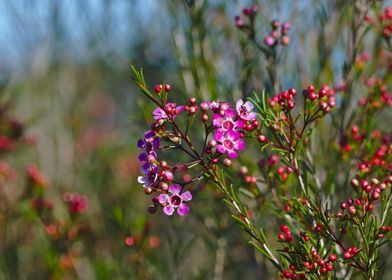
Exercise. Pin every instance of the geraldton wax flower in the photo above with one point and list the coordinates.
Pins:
(175, 201)
(227, 127)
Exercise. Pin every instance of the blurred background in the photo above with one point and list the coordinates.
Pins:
(69, 101)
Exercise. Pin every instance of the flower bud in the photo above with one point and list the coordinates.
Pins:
(167, 87)
(204, 117)
(227, 162)
(148, 190)
(212, 143)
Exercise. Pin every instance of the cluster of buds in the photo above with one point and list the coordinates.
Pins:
(350, 253)
(379, 157)
(309, 263)
(382, 231)
(285, 99)
(249, 179)
(386, 22)
(159, 88)
(77, 203)
(284, 172)
(348, 140)
(304, 236)
(369, 192)
(353, 142)
(379, 95)
(315, 263)
(278, 35)
(325, 97)
(285, 235)
(249, 13)
(143, 239)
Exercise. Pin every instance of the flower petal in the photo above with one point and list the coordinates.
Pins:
(163, 198)
(168, 210)
(186, 196)
(140, 143)
(183, 210)
(142, 157)
(142, 179)
(148, 134)
(240, 123)
(218, 135)
(221, 149)
(238, 105)
(155, 142)
(249, 105)
(252, 116)
(232, 154)
(159, 114)
(230, 113)
(234, 135)
(175, 189)
(240, 145)
(180, 108)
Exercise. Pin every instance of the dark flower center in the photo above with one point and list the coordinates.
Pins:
(243, 110)
(175, 200)
(229, 145)
(228, 125)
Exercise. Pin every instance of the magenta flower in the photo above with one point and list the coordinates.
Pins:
(148, 145)
(244, 110)
(230, 141)
(175, 201)
(227, 121)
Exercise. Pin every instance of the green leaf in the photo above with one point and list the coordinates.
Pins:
(246, 192)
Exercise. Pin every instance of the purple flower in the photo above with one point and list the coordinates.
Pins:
(227, 121)
(150, 175)
(230, 141)
(175, 201)
(148, 145)
(170, 109)
(159, 113)
(244, 110)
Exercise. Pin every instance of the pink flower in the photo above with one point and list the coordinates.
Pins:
(230, 141)
(175, 201)
(244, 110)
(170, 110)
(227, 122)
(216, 106)
(77, 203)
